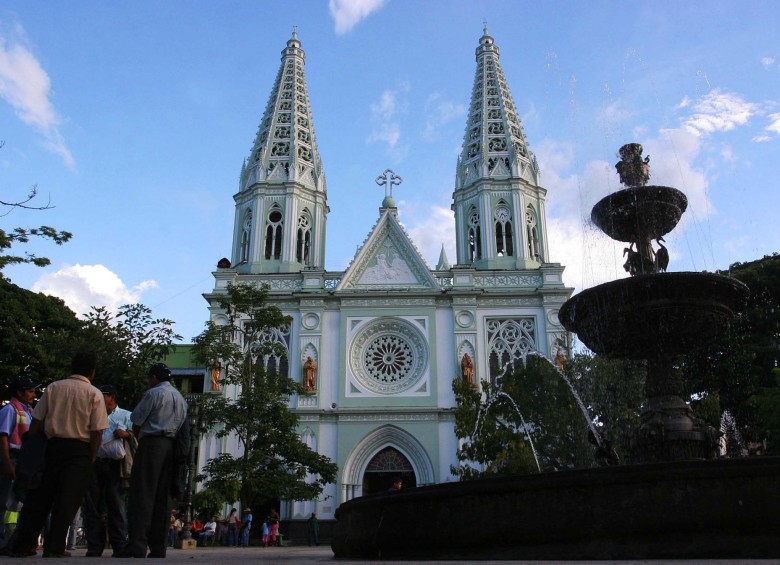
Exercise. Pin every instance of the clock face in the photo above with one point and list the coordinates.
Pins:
(389, 356)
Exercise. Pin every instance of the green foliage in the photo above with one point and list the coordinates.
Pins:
(613, 391)
(275, 463)
(530, 399)
(127, 343)
(207, 503)
(38, 335)
(23, 235)
(738, 368)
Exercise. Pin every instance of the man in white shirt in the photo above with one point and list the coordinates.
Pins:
(106, 482)
(208, 531)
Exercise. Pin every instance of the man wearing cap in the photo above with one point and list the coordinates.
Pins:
(73, 415)
(15, 419)
(156, 420)
(106, 482)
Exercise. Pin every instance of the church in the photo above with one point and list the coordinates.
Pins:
(378, 345)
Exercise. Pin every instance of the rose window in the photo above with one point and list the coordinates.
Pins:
(388, 356)
(389, 359)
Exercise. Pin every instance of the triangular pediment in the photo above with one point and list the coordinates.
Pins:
(387, 260)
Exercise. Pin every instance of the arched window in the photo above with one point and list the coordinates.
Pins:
(503, 221)
(532, 234)
(475, 237)
(273, 234)
(303, 243)
(246, 237)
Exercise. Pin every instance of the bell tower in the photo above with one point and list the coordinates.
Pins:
(281, 205)
(498, 201)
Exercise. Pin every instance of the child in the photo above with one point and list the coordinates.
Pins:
(265, 532)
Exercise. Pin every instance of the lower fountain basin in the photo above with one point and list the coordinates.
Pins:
(682, 510)
(652, 316)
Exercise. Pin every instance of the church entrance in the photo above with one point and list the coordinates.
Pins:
(384, 467)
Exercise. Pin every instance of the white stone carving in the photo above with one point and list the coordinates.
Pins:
(392, 270)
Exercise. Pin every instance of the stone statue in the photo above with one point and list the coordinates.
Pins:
(216, 372)
(467, 369)
(310, 374)
(632, 169)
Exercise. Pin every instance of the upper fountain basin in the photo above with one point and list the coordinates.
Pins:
(639, 213)
(650, 316)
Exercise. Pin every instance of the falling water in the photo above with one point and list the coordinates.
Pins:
(728, 427)
(486, 407)
(574, 393)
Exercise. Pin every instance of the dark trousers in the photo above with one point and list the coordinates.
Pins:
(149, 504)
(105, 485)
(6, 490)
(65, 478)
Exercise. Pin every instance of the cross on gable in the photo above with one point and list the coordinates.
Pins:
(389, 179)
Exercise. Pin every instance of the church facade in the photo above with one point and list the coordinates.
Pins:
(378, 345)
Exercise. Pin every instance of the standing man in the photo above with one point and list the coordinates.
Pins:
(314, 530)
(246, 527)
(15, 419)
(106, 481)
(156, 421)
(73, 415)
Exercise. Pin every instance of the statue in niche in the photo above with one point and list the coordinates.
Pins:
(310, 374)
(216, 372)
(467, 369)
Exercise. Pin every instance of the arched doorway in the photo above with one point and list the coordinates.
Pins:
(384, 467)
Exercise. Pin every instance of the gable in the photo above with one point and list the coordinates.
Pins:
(387, 260)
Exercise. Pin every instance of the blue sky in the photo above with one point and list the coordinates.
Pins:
(133, 118)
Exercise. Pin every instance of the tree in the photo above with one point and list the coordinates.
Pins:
(528, 419)
(127, 343)
(38, 334)
(738, 369)
(23, 235)
(275, 463)
(613, 391)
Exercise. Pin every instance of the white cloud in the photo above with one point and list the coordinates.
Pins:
(84, 286)
(440, 113)
(719, 111)
(348, 13)
(768, 62)
(436, 229)
(26, 86)
(385, 124)
(774, 123)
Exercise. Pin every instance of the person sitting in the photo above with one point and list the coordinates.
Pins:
(209, 529)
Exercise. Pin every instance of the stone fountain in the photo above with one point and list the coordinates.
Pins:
(653, 315)
(675, 501)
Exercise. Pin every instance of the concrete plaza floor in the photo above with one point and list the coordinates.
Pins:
(323, 554)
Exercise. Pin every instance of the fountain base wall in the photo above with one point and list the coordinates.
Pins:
(685, 509)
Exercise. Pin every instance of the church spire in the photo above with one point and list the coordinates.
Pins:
(281, 206)
(494, 145)
(285, 147)
(498, 202)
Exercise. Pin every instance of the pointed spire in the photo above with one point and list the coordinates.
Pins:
(495, 145)
(285, 147)
(443, 264)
